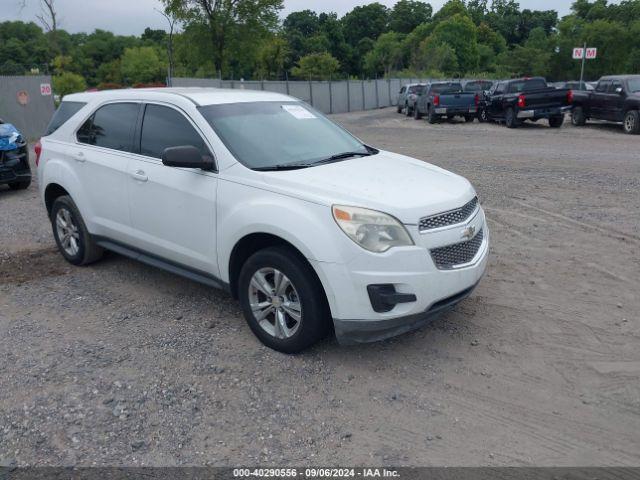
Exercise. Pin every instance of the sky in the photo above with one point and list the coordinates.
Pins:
(131, 17)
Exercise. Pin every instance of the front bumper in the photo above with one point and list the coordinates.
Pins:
(412, 272)
(14, 166)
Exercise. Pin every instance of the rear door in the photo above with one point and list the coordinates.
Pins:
(173, 210)
(101, 154)
(495, 100)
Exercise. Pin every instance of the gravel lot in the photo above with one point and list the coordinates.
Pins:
(122, 364)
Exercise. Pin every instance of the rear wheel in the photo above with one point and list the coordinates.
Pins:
(71, 235)
(556, 122)
(469, 118)
(399, 108)
(23, 185)
(283, 300)
(511, 119)
(577, 117)
(632, 122)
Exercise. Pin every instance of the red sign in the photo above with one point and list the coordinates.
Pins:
(588, 53)
(592, 53)
(45, 89)
(578, 53)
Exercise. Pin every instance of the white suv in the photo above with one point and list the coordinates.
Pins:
(261, 195)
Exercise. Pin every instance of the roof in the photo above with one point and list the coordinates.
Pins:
(199, 96)
(619, 77)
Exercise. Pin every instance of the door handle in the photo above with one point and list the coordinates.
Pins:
(140, 176)
(79, 157)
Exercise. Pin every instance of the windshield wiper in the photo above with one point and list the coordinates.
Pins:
(284, 166)
(341, 156)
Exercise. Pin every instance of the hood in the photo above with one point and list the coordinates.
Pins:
(395, 184)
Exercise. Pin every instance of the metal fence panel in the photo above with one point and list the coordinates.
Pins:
(26, 102)
(196, 82)
(339, 96)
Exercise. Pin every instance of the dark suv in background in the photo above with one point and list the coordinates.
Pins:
(14, 159)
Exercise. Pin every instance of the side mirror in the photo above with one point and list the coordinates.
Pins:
(186, 156)
(619, 90)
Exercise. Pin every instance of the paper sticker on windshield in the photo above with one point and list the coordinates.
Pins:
(298, 111)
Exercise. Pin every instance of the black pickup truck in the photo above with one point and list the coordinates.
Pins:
(615, 99)
(512, 101)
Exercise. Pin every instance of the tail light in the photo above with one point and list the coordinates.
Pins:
(436, 100)
(522, 102)
(38, 149)
(477, 99)
(570, 97)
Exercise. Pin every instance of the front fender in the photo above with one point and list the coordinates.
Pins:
(309, 227)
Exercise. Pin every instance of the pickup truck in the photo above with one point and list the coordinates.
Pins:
(446, 99)
(512, 101)
(407, 97)
(615, 99)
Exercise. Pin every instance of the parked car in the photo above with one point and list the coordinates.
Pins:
(14, 158)
(512, 101)
(615, 99)
(261, 195)
(446, 100)
(407, 98)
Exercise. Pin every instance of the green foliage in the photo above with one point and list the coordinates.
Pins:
(458, 33)
(142, 65)
(406, 15)
(316, 66)
(67, 82)
(272, 58)
(386, 55)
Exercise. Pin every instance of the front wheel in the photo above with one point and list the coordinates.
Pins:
(283, 301)
(632, 122)
(511, 119)
(577, 117)
(556, 122)
(483, 116)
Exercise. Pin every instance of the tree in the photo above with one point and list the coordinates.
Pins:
(67, 82)
(406, 15)
(367, 21)
(317, 66)
(272, 58)
(459, 33)
(386, 55)
(228, 22)
(141, 65)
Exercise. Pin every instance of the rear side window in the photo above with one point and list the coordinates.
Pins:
(111, 126)
(164, 127)
(65, 111)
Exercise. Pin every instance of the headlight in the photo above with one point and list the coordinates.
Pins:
(372, 230)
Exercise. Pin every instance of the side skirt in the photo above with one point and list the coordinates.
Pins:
(155, 261)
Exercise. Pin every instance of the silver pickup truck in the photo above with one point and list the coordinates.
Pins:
(407, 98)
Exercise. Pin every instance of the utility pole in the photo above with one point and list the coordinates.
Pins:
(584, 57)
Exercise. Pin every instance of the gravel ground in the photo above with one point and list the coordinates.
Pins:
(122, 364)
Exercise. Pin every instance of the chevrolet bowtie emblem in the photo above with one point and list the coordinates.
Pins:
(469, 232)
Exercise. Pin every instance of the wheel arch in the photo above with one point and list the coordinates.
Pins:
(51, 192)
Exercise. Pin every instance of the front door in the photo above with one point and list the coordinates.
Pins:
(173, 210)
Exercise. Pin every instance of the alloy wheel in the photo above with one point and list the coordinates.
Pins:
(629, 123)
(275, 303)
(68, 233)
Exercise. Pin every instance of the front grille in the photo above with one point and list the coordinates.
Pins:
(452, 217)
(457, 254)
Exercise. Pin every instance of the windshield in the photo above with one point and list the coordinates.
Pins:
(269, 134)
(446, 88)
(634, 84)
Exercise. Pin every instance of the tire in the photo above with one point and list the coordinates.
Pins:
(469, 118)
(416, 113)
(23, 185)
(399, 108)
(483, 115)
(408, 111)
(556, 122)
(577, 117)
(64, 211)
(631, 123)
(432, 117)
(313, 321)
(510, 119)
